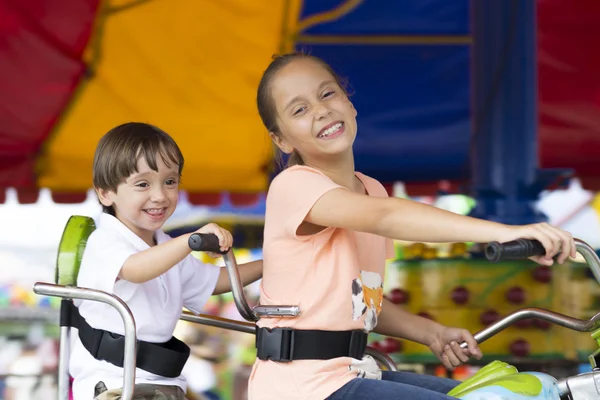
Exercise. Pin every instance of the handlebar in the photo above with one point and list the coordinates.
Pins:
(205, 242)
(210, 242)
(518, 249)
(514, 250)
(525, 248)
(575, 324)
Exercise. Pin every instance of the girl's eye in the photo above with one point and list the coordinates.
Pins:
(171, 182)
(327, 94)
(299, 110)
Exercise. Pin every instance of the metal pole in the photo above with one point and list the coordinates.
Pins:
(67, 292)
(506, 181)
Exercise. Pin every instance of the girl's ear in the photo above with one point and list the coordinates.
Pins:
(354, 109)
(281, 143)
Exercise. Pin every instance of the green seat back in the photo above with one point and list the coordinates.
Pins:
(71, 247)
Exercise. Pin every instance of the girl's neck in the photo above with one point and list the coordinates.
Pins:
(341, 171)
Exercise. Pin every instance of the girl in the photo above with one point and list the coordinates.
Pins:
(328, 232)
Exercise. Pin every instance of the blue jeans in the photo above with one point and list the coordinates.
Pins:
(397, 386)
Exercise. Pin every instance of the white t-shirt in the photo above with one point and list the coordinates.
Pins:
(156, 305)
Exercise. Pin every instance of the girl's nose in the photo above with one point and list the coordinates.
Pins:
(322, 110)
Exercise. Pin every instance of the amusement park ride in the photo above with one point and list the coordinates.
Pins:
(497, 380)
(521, 314)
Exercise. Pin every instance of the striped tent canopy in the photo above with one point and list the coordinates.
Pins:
(71, 70)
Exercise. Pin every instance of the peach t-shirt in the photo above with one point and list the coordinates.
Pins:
(335, 276)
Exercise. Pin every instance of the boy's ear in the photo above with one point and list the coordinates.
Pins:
(279, 142)
(105, 197)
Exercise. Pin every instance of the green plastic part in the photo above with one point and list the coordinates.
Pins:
(71, 248)
(485, 376)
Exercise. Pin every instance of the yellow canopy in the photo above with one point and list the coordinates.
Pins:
(189, 67)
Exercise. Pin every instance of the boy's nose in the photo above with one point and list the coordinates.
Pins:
(158, 195)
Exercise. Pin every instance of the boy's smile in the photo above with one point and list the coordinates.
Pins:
(156, 213)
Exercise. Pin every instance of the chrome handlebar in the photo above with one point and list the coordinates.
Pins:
(241, 303)
(575, 324)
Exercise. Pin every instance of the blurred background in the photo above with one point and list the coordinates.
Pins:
(482, 107)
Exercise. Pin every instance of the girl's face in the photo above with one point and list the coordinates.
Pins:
(314, 115)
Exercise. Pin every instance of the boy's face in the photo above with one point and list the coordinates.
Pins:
(146, 199)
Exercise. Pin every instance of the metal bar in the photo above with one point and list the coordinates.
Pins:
(539, 313)
(218, 322)
(237, 289)
(590, 256)
(63, 363)
(593, 261)
(563, 388)
(67, 292)
(276, 311)
(241, 303)
(382, 358)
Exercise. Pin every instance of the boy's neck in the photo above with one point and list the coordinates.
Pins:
(150, 240)
(147, 237)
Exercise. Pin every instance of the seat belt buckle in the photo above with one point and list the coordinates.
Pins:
(275, 344)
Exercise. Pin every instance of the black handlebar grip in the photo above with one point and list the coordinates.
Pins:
(514, 250)
(205, 242)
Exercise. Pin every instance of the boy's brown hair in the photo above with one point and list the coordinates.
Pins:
(119, 150)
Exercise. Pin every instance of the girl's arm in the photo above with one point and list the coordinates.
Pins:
(396, 322)
(444, 342)
(404, 219)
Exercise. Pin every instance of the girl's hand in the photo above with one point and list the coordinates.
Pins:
(552, 238)
(445, 345)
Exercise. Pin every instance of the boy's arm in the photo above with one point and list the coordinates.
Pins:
(249, 272)
(155, 261)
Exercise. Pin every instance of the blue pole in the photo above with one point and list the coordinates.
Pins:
(506, 181)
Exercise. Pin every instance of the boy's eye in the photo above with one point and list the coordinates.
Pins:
(171, 182)
(142, 184)
(329, 93)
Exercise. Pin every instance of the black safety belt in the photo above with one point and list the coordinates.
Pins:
(286, 344)
(164, 359)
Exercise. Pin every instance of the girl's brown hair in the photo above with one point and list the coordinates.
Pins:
(266, 105)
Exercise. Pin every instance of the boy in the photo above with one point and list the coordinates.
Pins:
(136, 174)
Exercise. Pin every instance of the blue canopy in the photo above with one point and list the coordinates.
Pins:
(407, 63)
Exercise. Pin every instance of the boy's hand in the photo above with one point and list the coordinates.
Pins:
(225, 238)
(445, 345)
